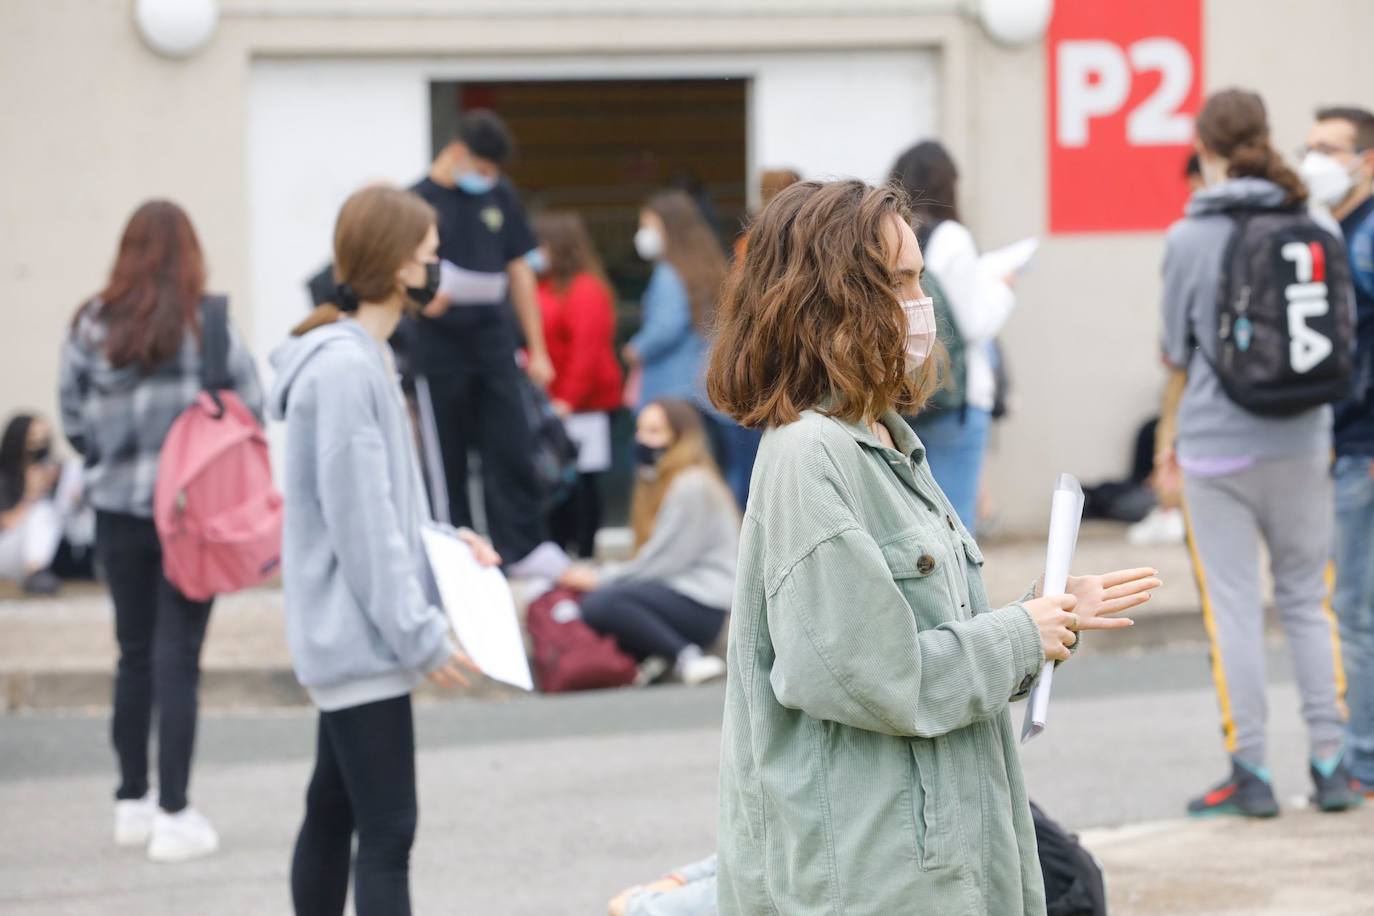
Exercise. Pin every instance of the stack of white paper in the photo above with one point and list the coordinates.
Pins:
(1066, 514)
(479, 604)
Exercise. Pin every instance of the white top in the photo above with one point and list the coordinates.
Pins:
(981, 304)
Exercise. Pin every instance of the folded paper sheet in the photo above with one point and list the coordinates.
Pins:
(1066, 514)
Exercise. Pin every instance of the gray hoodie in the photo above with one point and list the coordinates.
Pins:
(358, 621)
(1210, 424)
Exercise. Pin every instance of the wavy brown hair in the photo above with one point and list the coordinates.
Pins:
(570, 247)
(813, 318)
(690, 449)
(1233, 124)
(692, 250)
(377, 231)
(152, 298)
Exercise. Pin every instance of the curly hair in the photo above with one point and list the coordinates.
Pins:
(812, 317)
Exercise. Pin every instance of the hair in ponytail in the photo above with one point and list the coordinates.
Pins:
(1234, 125)
(377, 231)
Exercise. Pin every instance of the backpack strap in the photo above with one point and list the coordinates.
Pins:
(214, 348)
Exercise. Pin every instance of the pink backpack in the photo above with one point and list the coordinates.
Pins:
(217, 513)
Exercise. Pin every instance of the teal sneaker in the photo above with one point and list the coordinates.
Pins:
(1247, 793)
(1336, 789)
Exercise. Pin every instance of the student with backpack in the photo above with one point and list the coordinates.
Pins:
(1258, 329)
(131, 366)
(971, 309)
(670, 601)
(361, 630)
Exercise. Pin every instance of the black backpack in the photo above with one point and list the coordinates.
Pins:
(1285, 331)
(1073, 879)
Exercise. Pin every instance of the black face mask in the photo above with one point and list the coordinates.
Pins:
(647, 457)
(422, 295)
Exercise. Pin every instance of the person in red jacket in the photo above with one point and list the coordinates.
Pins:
(579, 327)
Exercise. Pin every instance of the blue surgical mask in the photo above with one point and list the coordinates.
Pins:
(537, 260)
(473, 182)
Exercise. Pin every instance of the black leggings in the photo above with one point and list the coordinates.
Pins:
(160, 633)
(364, 781)
(649, 619)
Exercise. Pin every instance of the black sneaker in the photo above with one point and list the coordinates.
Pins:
(1337, 790)
(1246, 794)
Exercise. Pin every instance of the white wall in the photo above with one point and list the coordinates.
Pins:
(320, 128)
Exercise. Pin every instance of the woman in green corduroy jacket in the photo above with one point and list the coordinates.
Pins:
(868, 762)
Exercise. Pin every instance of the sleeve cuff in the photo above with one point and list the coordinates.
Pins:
(441, 655)
(1027, 653)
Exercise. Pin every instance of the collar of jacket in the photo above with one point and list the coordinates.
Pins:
(902, 436)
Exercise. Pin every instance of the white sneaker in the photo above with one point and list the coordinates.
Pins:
(133, 820)
(181, 836)
(1161, 528)
(701, 669)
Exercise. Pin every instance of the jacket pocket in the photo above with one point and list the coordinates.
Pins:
(923, 574)
(973, 575)
(932, 840)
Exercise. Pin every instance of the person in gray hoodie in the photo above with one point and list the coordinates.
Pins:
(361, 630)
(1248, 477)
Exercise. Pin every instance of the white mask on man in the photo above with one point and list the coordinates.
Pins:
(649, 243)
(920, 330)
(1327, 180)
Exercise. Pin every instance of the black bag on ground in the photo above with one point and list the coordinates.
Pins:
(1285, 315)
(1073, 880)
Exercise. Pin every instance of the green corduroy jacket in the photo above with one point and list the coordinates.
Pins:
(869, 765)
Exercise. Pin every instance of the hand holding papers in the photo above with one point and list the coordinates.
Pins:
(480, 606)
(1066, 514)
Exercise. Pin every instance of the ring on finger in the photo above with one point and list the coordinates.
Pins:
(1073, 623)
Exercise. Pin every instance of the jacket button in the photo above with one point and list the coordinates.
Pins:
(925, 565)
(950, 519)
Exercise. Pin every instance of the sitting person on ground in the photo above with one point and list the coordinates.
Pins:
(34, 508)
(670, 601)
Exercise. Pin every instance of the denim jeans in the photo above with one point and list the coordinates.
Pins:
(1354, 602)
(954, 445)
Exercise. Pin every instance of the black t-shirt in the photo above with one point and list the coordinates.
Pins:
(481, 232)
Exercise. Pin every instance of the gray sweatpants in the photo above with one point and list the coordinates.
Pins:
(1288, 502)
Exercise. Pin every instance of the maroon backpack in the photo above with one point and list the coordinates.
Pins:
(568, 654)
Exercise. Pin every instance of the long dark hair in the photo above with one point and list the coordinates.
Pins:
(154, 291)
(1233, 124)
(570, 247)
(928, 175)
(693, 250)
(690, 448)
(14, 459)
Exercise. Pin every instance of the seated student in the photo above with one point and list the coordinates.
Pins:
(38, 498)
(671, 599)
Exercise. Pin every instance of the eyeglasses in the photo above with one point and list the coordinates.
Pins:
(1327, 149)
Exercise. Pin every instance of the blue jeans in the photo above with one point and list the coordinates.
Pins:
(1354, 603)
(736, 448)
(954, 448)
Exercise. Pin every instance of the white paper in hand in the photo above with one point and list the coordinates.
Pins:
(1010, 259)
(1066, 514)
(480, 606)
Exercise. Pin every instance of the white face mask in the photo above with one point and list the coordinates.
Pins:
(920, 330)
(649, 243)
(1328, 181)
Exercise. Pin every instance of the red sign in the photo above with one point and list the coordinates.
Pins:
(1125, 84)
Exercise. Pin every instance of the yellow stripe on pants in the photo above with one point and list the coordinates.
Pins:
(1228, 724)
(1335, 639)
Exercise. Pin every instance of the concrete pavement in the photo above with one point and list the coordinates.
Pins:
(546, 806)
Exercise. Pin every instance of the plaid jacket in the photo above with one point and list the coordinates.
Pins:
(118, 418)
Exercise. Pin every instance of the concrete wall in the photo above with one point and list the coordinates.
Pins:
(95, 123)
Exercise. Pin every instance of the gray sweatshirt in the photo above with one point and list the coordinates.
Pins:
(358, 622)
(694, 548)
(1210, 424)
